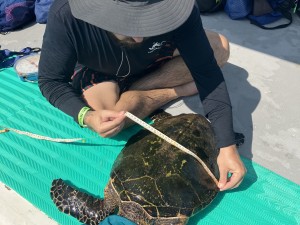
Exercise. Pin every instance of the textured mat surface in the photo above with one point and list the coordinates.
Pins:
(29, 166)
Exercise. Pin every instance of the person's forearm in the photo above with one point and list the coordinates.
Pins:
(62, 96)
(218, 110)
(197, 53)
(57, 62)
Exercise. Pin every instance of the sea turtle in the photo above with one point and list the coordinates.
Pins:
(151, 181)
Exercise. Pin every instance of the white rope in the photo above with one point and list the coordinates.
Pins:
(171, 141)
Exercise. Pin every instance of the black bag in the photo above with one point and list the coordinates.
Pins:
(210, 6)
(268, 11)
(297, 8)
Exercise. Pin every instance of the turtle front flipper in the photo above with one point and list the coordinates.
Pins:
(86, 208)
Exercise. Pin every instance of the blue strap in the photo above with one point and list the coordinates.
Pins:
(116, 220)
(8, 58)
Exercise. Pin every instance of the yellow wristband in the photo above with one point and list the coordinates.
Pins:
(81, 116)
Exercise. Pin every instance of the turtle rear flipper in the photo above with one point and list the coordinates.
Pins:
(86, 208)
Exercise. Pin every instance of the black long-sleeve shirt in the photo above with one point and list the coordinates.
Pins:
(68, 41)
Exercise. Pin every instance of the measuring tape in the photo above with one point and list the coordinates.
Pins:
(40, 137)
(170, 141)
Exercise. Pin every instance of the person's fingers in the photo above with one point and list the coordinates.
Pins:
(109, 127)
(229, 161)
(242, 175)
(223, 178)
(112, 132)
(106, 123)
(234, 181)
(107, 115)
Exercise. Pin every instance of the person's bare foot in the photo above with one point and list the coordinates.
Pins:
(187, 89)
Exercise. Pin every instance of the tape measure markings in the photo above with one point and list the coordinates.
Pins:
(171, 141)
(40, 137)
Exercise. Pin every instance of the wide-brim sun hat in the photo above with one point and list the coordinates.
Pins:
(133, 18)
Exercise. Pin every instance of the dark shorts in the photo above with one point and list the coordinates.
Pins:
(84, 77)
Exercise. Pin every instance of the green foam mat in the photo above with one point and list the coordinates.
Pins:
(28, 165)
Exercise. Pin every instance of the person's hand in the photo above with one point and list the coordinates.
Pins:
(105, 122)
(229, 161)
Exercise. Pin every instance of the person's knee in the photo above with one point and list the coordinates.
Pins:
(225, 50)
(220, 46)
